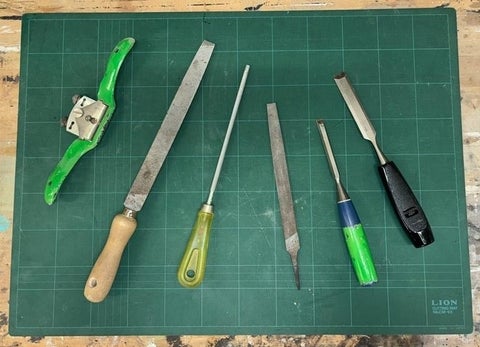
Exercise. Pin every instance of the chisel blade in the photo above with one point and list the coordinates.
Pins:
(287, 212)
(356, 109)
(358, 113)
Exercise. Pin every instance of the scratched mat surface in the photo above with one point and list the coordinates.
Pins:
(404, 65)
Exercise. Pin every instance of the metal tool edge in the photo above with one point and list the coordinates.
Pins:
(171, 124)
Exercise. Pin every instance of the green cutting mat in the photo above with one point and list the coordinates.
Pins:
(403, 64)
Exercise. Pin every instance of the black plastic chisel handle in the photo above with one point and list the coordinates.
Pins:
(406, 206)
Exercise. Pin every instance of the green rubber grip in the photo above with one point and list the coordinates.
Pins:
(192, 266)
(360, 254)
(79, 147)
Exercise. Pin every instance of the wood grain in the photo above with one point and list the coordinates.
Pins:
(468, 17)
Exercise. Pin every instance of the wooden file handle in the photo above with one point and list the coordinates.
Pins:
(105, 269)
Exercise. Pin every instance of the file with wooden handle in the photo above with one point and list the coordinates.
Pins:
(123, 226)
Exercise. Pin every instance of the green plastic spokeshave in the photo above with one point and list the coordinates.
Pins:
(88, 120)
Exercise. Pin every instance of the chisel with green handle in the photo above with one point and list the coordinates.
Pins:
(355, 238)
(88, 120)
(194, 261)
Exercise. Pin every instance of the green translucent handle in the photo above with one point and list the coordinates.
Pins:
(79, 147)
(192, 267)
(360, 255)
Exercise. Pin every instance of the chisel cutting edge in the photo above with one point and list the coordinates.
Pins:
(287, 213)
(406, 206)
(124, 224)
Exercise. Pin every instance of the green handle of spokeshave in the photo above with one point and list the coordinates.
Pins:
(79, 147)
(107, 85)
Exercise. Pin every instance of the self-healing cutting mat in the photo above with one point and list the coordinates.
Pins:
(404, 67)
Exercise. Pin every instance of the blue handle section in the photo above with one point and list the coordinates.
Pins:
(348, 214)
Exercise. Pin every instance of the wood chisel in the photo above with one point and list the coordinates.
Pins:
(355, 238)
(124, 224)
(88, 120)
(192, 266)
(287, 212)
(406, 206)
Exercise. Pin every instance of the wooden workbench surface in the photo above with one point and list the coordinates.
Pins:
(468, 16)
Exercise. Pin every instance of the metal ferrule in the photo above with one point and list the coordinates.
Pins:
(208, 208)
(342, 194)
(129, 213)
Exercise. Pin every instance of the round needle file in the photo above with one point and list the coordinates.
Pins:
(355, 237)
(192, 266)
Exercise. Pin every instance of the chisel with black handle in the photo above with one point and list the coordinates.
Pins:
(406, 205)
